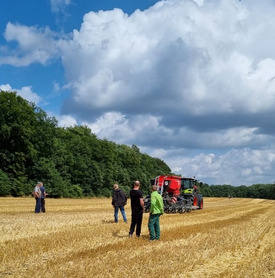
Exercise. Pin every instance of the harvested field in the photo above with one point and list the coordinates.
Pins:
(77, 238)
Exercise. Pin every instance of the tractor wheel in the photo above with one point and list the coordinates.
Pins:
(170, 209)
(200, 201)
(180, 210)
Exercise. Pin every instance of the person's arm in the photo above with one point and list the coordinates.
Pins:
(141, 202)
(36, 192)
(125, 198)
(153, 203)
(113, 198)
(161, 205)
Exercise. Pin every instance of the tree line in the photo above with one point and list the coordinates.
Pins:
(73, 162)
(262, 191)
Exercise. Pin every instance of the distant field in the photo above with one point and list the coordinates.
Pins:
(77, 238)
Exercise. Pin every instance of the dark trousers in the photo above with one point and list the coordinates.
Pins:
(153, 226)
(136, 221)
(37, 205)
(43, 209)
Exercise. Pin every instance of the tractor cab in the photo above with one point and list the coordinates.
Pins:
(188, 186)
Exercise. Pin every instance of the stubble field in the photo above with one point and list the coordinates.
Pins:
(77, 238)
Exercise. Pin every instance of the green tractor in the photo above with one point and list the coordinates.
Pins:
(190, 192)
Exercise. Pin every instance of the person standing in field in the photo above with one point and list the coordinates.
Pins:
(43, 196)
(137, 205)
(119, 200)
(37, 195)
(156, 210)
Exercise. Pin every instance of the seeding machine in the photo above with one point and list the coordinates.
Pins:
(179, 194)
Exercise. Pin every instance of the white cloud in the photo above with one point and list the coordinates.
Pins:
(180, 77)
(59, 5)
(148, 130)
(6, 87)
(235, 167)
(108, 124)
(116, 127)
(175, 52)
(33, 45)
(66, 120)
(25, 92)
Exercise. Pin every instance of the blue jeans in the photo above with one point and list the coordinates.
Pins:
(43, 205)
(37, 205)
(122, 212)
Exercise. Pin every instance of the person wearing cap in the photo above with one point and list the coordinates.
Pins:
(156, 209)
(37, 195)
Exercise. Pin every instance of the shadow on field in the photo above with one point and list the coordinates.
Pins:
(120, 235)
(107, 221)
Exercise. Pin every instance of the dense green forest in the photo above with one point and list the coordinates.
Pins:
(73, 162)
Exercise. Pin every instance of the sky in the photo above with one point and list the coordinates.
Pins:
(191, 82)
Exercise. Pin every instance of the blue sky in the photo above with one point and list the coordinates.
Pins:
(189, 81)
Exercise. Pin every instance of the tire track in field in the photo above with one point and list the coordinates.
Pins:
(178, 233)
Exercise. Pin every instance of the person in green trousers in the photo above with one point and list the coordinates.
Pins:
(156, 210)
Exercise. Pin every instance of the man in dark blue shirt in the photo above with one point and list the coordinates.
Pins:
(43, 196)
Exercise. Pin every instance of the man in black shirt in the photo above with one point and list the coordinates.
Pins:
(137, 206)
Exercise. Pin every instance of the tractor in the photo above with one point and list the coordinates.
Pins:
(179, 194)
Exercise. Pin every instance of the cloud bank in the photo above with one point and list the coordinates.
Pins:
(191, 82)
